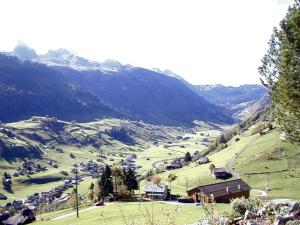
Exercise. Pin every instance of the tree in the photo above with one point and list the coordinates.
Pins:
(280, 72)
(91, 187)
(118, 177)
(171, 178)
(187, 157)
(105, 183)
(72, 199)
(211, 167)
(156, 179)
(131, 181)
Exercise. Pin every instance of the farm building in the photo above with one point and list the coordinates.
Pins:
(203, 160)
(156, 191)
(220, 192)
(219, 173)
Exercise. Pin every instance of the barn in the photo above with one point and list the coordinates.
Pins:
(220, 192)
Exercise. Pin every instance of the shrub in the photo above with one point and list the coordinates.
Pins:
(240, 205)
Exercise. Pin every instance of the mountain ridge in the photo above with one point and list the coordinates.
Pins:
(116, 90)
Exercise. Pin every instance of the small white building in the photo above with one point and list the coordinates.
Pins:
(156, 191)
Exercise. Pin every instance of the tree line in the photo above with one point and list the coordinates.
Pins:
(114, 182)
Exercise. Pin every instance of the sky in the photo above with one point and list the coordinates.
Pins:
(203, 41)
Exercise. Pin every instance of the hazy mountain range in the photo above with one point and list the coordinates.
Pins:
(69, 87)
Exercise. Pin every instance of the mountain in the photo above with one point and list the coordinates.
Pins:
(247, 111)
(234, 99)
(28, 89)
(69, 87)
(22, 51)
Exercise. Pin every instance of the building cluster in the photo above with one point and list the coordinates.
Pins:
(129, 163)
(176, 164)
(54, 195)
(91, 168)
(28, 167)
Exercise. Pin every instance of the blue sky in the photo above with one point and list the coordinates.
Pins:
(205, 42)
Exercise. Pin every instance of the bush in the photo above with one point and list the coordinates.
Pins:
(240, 205)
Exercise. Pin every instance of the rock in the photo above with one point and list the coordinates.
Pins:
(284, 202)
(249, 215)
(251, 222)
(237, 219)
(223, 221)
(295, 210)
(281, 220)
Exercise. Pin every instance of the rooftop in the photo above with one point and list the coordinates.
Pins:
(223, 188)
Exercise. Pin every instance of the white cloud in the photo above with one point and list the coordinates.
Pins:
(203, 41)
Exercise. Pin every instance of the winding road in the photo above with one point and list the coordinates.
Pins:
(230, 162)
(234, 173)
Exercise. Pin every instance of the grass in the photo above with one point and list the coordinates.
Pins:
(143, 134)
(195, 175)
(126, 213)
(265, 157)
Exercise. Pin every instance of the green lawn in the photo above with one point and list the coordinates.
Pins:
(134, 213)
(266, 155)
(195, 175)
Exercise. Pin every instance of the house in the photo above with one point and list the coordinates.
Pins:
(203, 160)
(219, 173)
(156, 191)
(174, 165)
(2, 197)
(220, 192)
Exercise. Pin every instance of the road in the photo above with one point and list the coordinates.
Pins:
(230, 162)
(234, 173)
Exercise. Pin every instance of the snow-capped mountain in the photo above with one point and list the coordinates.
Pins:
(65, 58)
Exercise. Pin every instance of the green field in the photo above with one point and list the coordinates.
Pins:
(273, 160)
(149, 140)
(133, 213)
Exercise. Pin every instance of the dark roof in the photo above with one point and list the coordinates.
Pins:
(220, 189)
(219, 170)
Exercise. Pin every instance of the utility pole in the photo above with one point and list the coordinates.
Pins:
(76, 191)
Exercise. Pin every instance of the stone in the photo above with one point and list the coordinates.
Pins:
(249, 215)
(279, 220)
(251, 222)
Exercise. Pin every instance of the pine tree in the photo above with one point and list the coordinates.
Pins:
(187, 157)
(105, 183)
(131, 181)
(280, 72)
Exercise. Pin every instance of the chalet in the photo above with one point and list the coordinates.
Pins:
(203, 160)
(174, 165)
(220, 192)
(219, 173)
(2, 197)
(156, 191)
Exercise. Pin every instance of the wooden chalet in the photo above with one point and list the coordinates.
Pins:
(220, 192)
(219, 173)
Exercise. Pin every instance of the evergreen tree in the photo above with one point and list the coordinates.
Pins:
(131, 181)
(280, 72)
(187, 157)
(105, 183)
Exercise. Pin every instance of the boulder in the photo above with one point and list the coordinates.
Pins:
(249, 215)
(279, 220)
(251, 222)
